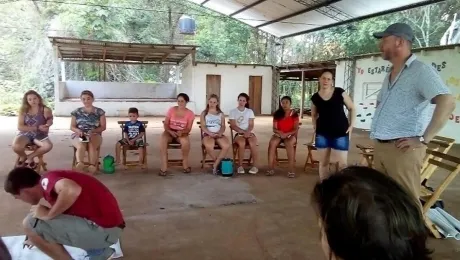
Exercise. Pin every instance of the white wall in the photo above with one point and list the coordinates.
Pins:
(107, 90)
(370, 73)
(233, 82)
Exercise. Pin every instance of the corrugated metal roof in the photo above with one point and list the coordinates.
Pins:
(71, 49)
(287, 18)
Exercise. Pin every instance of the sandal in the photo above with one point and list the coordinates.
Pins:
(270, 173)
(92, 169)
(188, 170)
(291, 175)
(32, 165)
(162, 173)
(80, 166)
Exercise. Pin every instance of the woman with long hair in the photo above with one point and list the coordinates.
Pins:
(34, 121)
(87, 124)
(177, 126)
(364, 214)
(213, 126)
(285, 127)
(242, 122)
(331, 125)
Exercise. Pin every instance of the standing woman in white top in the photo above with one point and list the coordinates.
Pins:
(213, 131)
(242, 122)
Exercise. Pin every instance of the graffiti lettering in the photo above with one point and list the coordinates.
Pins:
(360, 71)
(455, 118)
(439, 67)
(453, 82)
(378, 70)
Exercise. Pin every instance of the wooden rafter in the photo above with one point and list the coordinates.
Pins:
(247, 7)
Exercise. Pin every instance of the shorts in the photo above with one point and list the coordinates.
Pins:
(337, 143)
(40, 136)
(75, 231)
(137, 143)
(205, 134)
(238, 134)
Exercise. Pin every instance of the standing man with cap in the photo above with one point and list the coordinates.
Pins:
(404, 121)
(83, 212)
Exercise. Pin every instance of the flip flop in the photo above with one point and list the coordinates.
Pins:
(291, 175)
(188, 170)
(32, 165)
(163, 173)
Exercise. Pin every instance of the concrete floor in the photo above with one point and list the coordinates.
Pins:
(199, 216)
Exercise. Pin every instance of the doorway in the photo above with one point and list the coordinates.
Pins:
(212, 85)
(255, 94)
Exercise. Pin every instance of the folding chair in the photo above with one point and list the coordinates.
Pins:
(282, 146)
(41, 165)
(86, 163)
(440, 144)
(235, 147)
(204, 153)
(174, 145)
(449, 163)
(126, 147)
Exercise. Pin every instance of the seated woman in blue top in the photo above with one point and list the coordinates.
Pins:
(364, 214)
(88, 123)
(213, 131)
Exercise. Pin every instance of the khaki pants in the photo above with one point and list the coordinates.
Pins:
(404, 167)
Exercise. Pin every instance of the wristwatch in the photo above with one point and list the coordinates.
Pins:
(422, 140)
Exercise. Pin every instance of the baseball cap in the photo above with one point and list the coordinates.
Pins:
(397, 29)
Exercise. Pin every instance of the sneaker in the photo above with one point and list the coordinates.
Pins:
(253, 170)
(241, 170)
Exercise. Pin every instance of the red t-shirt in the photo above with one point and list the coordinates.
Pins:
(95, 203)
(286, 124)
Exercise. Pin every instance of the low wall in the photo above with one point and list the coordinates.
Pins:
(119, 107)
(118, 90)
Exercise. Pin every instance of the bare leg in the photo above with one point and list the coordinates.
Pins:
(117, 153)
(54, 251)
(324, 158)
(94, 143)
(43, 147)
(341, 157)
(185, 148)
(254, 150)
(165, 139)
(290, 151)
(274, 142)
(224, 144)
(141, 155)
(209, 143)
(80, 153)
(241, 141)
(19, 147)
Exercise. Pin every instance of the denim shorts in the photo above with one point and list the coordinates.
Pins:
(337, 143)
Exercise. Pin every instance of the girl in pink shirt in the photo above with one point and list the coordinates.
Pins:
(178, 124)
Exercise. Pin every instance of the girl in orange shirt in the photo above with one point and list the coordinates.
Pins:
(285, 127)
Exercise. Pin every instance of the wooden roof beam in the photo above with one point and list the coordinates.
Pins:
(164, 57)
(127, 49)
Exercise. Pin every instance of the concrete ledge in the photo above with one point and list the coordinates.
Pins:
(123, 100)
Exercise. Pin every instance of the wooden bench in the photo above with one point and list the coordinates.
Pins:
(86, 163)
(282, 146)
(204, 153)
(174, 145)
(41, 165)
(235, 147)
(126, 147)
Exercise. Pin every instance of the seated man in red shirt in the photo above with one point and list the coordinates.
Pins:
(83, 212)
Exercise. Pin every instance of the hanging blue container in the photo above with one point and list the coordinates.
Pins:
(226, 167)
(187, 25)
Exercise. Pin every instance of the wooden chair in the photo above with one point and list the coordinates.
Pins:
(246, 160)
(367, 154)
(41, 165)
(174, 145)
(74, 161)
(204, 153)
(449, 163)
(126, 147)
(282, 146)
(310, 161)
(440, 144)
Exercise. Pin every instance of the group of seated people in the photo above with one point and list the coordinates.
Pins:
(88, 122)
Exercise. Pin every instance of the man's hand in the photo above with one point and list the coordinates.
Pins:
(407, 144)
(40, 212)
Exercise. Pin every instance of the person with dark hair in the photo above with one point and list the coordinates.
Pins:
(242, 122)
(213, 126)
(364, 214)
(4, 253)
(331, 125)
(83, 212)
(285, 127)
(133, 135)
(34, 121)
(177, 126)
(87, 124)
(404, 121)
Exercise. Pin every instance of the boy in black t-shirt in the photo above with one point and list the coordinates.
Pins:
(133, 135)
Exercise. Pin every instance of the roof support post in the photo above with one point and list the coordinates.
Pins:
(57, 91)
(302, 96)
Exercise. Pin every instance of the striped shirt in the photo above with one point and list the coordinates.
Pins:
(405, 108)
